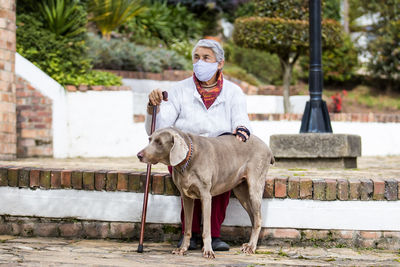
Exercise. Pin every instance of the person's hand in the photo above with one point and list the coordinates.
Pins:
(155, 97)
(242, 133)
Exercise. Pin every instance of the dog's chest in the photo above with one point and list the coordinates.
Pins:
(186, 186)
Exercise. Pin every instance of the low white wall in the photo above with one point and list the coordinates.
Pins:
(100, 124)
(124, 206)
(53, 90)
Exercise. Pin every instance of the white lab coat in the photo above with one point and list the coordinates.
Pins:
(186, 111)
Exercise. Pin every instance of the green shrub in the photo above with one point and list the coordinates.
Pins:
(123, 55)
(338, 64)
(58, 56)
(163, 24)
(241, 74)
(94, 77)
(63, 58)
(64, 17)
(263, 65)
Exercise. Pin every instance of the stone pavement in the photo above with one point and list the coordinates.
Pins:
(22, 251)
(368, 167)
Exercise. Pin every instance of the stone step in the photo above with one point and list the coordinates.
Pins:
(281, 187)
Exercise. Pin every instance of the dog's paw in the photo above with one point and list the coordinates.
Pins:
(179, 251)
(248, 249)
(208, 254)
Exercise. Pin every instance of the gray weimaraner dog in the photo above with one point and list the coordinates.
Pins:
(209, 166)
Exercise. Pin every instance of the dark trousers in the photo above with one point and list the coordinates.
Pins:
(218, 208)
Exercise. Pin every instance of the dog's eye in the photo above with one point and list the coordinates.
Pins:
(158, 142)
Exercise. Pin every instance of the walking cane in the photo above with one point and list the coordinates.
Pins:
(148, 173)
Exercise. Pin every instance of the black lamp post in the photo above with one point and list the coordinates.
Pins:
(316, 117)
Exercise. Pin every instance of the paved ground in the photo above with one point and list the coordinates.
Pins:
(368, 167)
(19, 251)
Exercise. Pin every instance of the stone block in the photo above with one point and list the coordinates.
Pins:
(45, 179)
(286, 233)
(170, 187)
(112, 180)
(88, 180)
(23, 178)
(366, 189)
(55, 179)
(343, 189)
(331, 189)
(281, 187)
(355, 187)
(34, 177)
(306, 188)
(157, 185)
(76, 179)
(66, 177)
(269, 188)
(316, 150)
(391, 189)
(379, 189)
(134, 182)
(13, 177)
(95, 229)
(294, 187)
(71, 230)
(100, 180)
(122, 230)
(3, 177)
(143, 181)
(319, 186)
(46, 230)
(122, 181)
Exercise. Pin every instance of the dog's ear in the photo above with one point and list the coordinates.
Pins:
(178, 151)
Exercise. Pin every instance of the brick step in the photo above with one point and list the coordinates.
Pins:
(282, 187)
(76, 228)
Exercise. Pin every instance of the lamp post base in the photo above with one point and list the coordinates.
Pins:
(316, 118)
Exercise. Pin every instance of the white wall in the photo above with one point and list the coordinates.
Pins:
(53, 90)
(125, 206)
(100, 124)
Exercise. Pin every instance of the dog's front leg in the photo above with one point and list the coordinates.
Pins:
(188, 205)
(206, 208)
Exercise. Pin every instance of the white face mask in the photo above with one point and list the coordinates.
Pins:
(204, 71)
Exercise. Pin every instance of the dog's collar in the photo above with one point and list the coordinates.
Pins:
(183, 165)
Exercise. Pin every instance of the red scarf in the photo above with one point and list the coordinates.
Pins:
(209, 96)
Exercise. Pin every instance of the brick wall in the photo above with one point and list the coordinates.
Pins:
(7, 79)
(34, 122)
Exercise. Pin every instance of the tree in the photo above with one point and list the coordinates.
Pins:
(384, 38)
(281, 27)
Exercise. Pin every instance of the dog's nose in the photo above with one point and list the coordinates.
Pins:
(140, 155)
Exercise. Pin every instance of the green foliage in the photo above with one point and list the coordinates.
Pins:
(94, 77)
(58, 56)
(110, 14)
(241, 74)
(61, 57)
(122, 55)
(385, 52)
(289, 9)
(331, 9)
(338, 64)
(163, 24)
(209, 12)
(63, 17)
(263, 65)
(282, 36)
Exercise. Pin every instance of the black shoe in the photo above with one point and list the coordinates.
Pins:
(219, 245)
(193, 242)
